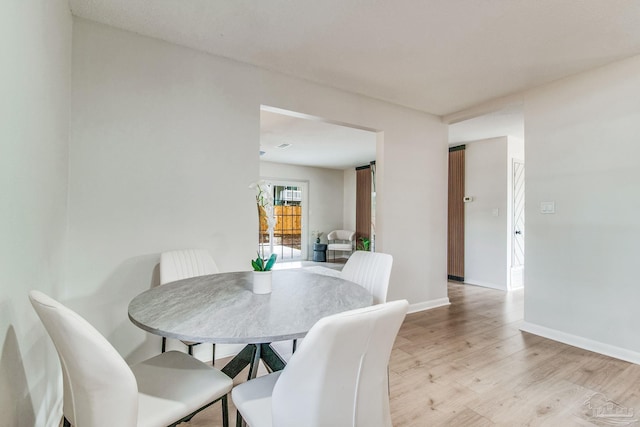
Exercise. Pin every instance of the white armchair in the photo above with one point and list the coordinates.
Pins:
(341, 240)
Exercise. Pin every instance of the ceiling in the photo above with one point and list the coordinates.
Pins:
(506, 122)
(314, 143)
(437, 56)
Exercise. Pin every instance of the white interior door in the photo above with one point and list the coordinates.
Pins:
(517, 244)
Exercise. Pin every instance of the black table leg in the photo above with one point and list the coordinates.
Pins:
(271, 358)
(239, 361)
(255, 362)
(246, 357)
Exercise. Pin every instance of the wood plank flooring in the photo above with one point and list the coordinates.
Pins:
(468, 364)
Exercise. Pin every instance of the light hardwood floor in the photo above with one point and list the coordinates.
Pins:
(468, 364)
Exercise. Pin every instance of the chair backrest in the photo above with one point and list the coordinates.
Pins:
(186, 263)
(342, 235)
(371, 270)
(99, 388)
(339, 376)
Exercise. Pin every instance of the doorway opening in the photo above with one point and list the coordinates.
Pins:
(311, 164)
(491, 199)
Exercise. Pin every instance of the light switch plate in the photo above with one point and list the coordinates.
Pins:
(548, 207)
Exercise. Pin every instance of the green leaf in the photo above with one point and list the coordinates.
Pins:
(272, 260)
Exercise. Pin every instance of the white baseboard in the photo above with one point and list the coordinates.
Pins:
(484, 284)
(427, 305)
(581, 342)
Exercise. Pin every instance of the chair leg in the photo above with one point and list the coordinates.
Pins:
(225, 411)
(164, 344)
(240, 421)
(190, 349)
(213, 355)
(294, 346)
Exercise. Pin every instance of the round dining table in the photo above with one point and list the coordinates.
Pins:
(222, 309)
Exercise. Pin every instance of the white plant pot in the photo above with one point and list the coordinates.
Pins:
(261, 282)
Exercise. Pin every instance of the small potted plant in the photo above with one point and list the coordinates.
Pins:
(364, 244)
(262, 274)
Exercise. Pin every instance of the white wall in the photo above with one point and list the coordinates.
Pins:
(515, 148)
(582, 153)
(35, 75)
(325, 194)
(485, 218)
(349, 201)
(164, 143)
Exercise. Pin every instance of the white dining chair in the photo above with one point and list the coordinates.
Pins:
(100, 390)
(184, 264)
(338, 378)
(371, 270)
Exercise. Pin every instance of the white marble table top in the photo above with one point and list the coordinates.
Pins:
(221, 308)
